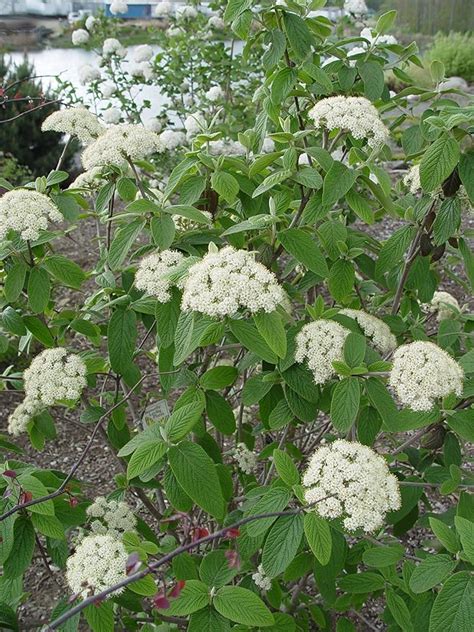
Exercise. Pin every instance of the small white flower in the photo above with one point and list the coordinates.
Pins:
(216, 22)
(303, 159)
(152, 271)
(115, 516)
(245, 458)
(19, 419)
(118, 7)
(171, 139)
(55, 375)
(112, 116)
(90, 22)
(350, 481)
(88, 74)
(318, 344)
(216, 93)
(445, 304)
(108, 89)
(142, 53)
(268, 145)
(412, 179)
(261, 580)
(75, 121)
(112, 46)
(98, 563)
(80, 37)
(423, 373)
(374, 328)
(142, 70)
(27, 213)
(184, 224)
(356, 8)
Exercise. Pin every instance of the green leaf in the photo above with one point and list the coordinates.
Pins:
(39, 289)
(282, 84)
(14, 281)
(214, 570)
(273, 500)
(385, 22)
(341, 279)
(281, 544)
(22, 549)
(286, 469)
(447, 221)
(39, 330)
(195, 472)
(383, 556)
(298, 34)
(65, 270)
(430, 572)
(304, 249)
(364, 582)
(8, 618)
(453, 609)
(144, 457)
(163, 230)
(208, 619)
(242, 606)
(122, 335)
(318, 534)
(6, 537)
(190, 212)
(225, 185)
(465, 528)
(167, 315)
(183, 420)
(461, 423)
(345, 403)
(394, 248)
(271, 328)
(445, 535)
(248, 335)
(466, 173)
(438, 162)
(399, 610)
(339, 179)
(220, 413)
(218, 377)
(354, 349)
(127, 189)
(272, 180)
(372, 76)
(234, 8)
(122, 242)
(49, 526)
(100, 617)
(193, 597)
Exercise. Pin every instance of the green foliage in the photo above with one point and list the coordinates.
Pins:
(456, 52)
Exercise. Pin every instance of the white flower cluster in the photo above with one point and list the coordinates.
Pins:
(98, 563)
(119, 143)
(216, 22)
(377, 39)
(355, 7)
(319, 344)
(445, 304)
(142, 53)
(412, 179)
(79, 37)
(349, 480)
(423, 373)
(152, 271)
(55, 375)
(90, 22)
(175, 31)
(224, 281)
(374, 328)
(78, 122)
(171, 139)
(261, 580)
(183, 224)
(112, 46)
(186, 12)
(194, 124)
(22, 415)
(91, 180)
(268, 145)
(118, 7)
(226, 147)
(27, 213)
(245, 458)
(88, 74)
(116, 517)
(354, 114)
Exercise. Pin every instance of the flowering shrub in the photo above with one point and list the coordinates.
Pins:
(266, 339)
